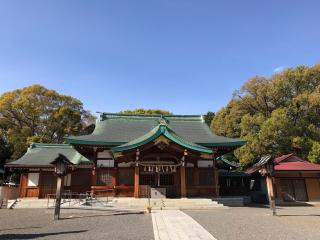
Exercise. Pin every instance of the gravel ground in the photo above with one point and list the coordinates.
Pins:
(257, 223)
(38, 224)
(224, 224)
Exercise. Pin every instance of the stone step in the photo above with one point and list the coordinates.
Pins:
(182, 201)
(231, 201)
(125, 203)
(166, 204)
(12, 203)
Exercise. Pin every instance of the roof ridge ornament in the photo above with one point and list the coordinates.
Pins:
(163, 121)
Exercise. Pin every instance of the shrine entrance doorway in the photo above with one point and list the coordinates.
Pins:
(161, 184)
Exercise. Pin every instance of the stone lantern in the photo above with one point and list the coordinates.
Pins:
(60, 164)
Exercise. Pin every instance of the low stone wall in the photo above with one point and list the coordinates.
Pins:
(9, 192)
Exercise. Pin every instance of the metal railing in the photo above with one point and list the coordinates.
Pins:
(79, 200)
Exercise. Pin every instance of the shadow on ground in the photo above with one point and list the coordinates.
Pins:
(298, 215)
(10, 229)
(100, 215)
(35, 235)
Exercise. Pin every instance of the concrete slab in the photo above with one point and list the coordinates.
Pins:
(176, 225)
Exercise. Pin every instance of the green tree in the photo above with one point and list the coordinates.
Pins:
(314, 154)
(146, 111)
(276, 115)
(208, 117)
(37, 114)
(5, 149)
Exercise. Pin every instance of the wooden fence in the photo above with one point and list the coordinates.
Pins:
(7, 192)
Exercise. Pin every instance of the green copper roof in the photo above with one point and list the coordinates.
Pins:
(223, 159)
(118, 129)
(40, 154)
(161, 129)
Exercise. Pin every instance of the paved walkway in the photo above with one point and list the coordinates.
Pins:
(175, 224)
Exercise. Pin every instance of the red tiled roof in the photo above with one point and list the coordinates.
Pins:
(282, 158)
(291, 162)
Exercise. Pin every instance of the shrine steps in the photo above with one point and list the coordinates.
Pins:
(166, 203)
(127, 203)
(30, 203)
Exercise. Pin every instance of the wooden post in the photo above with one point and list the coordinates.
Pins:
(58, 197)
(136, 181)
(271, 196)
(216, 177)
(183, 181)
(94, 171)
(23, 184)
(115, 174)
(196, 175)
(136, 174)
(40, 187)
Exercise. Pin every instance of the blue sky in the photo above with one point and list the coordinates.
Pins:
(180, 55)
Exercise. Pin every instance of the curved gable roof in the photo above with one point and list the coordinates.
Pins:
(40, 154)
(154, 134)
(117, 129)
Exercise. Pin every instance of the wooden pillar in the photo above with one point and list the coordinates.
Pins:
(115, 174)
(58, 198)
(23, 184)
(183, 192)
(196, 176)
(216, 177)
(136, 175)
(271, 196)
(94, 170)
(136, 181)
(40, 187)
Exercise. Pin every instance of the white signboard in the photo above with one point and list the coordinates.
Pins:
(67, 180)
(104, 154)
(33, 179)
(205, 163)
(105, 163)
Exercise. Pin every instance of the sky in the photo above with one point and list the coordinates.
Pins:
(184, 56)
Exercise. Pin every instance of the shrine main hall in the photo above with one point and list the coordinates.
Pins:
(132, 156)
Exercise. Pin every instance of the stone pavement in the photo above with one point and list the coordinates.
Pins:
(175, 224)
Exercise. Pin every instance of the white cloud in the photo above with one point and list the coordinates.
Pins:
(279, 69)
